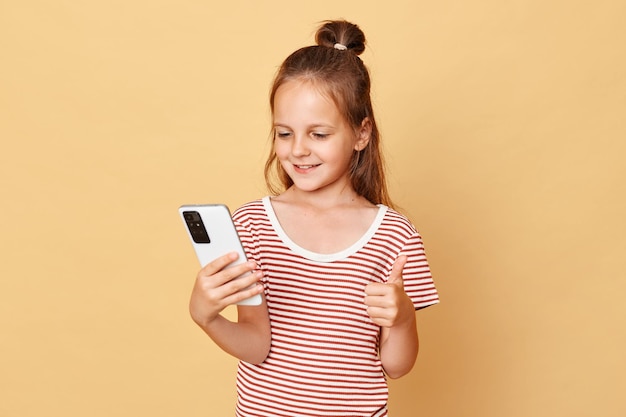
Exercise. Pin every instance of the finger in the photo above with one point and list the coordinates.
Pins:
(376, 288)
(395, 276)
(221, 293)
(246, 293)
(243, 281)
(377, 301)
(380, 316)
(220, 272)
(218, 264)
(241, 288)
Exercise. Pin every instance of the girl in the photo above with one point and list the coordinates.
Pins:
(341, 272)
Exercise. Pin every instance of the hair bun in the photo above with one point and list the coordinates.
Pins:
(341, 32)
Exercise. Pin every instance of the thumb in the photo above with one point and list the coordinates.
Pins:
(395, 277)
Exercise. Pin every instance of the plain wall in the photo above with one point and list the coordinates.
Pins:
(504, 130)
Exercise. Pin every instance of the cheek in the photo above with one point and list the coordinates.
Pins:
(280, 150)
(343, 154)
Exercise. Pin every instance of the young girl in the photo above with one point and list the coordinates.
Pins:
(340, 271)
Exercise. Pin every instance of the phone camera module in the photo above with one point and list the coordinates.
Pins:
(196, 227)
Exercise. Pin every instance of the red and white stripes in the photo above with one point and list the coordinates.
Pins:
(324, 360)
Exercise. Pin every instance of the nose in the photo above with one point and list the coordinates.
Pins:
(299, 146)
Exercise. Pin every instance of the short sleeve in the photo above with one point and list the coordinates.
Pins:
(249, 242)
(418, 280)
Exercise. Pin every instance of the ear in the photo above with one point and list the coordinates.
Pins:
(363, 134)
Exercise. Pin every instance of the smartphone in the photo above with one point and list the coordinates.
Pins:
(212, 233)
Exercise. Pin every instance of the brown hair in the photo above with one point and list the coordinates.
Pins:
(342, 76)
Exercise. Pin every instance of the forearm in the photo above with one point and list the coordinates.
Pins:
(248, 339)
(398, 348)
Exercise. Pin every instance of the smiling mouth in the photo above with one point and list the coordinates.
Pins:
(306, 166)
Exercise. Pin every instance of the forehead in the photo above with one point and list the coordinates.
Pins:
(303, 98)
(302, 89)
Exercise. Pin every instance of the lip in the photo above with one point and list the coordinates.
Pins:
(304, 168)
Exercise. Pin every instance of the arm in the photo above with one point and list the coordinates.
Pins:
(391, 308)
(398, 348)
(248, 339)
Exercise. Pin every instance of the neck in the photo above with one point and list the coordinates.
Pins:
(324, 199)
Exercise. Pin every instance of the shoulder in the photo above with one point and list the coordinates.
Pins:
(252, 215)
(251, 208)
(399, 223)
(396, 231)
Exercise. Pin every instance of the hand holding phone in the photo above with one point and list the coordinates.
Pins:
(213, 235)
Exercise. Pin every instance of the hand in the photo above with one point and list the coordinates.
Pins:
(215, 288)
(387, 304)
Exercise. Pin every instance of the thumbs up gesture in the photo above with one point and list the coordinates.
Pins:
(387, 303)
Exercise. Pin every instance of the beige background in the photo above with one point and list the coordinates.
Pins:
(504, 124)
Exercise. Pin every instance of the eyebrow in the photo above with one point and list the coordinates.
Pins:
(313, 126)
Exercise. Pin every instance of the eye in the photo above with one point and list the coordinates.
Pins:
(319, 135)
(282, 134)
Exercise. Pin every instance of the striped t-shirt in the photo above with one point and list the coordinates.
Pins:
(323, 359)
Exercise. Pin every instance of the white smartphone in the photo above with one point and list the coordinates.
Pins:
(212, 233)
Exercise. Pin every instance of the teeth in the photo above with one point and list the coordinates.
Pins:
(305, 166)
